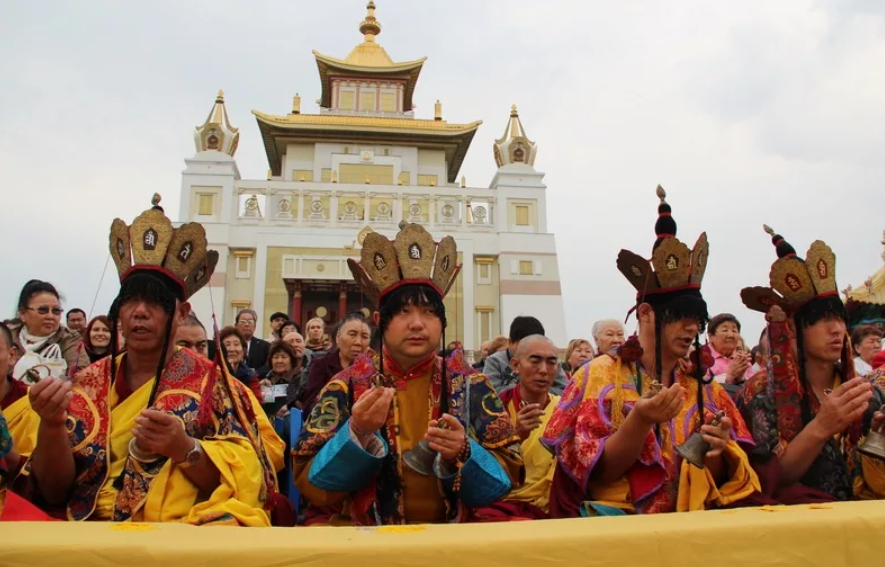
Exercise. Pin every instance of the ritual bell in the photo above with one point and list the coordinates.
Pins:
(874, 445)
(420, 458)
(695, 449)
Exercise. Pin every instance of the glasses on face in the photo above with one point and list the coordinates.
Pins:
(247, 321)
(45, 310)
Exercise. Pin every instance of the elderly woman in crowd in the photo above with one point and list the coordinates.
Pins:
(283, 383)
(351, 340)
(731, 361)
(39, 336)
(97, 338)
(608, 334)
(233, 347)
(866, 341)
(578, 352)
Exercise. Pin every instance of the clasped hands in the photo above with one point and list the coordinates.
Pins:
(446, 435)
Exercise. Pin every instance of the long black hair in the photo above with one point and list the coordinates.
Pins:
(688, 304)
(816, 310)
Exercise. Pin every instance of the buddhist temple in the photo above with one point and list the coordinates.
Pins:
(364, 161)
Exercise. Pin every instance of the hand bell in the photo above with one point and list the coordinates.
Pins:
(874, 444)
(695, 449)
(420, 458)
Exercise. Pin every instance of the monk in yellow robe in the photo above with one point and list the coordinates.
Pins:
(156, 434)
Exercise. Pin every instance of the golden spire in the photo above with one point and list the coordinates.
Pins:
(437, 111)
(370, 27)
(514, 147)
(216, 133)
(296, 104)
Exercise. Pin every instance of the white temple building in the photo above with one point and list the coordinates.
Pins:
(365, 162)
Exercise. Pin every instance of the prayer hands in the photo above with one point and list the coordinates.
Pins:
(528, 419)
(370, 412)
(661, 407)
(50, 398)
(716, 436)
(160, 433)
(842, 407)
(448, 442)
(738, 368)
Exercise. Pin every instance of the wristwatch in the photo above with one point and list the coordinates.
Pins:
(193, 456)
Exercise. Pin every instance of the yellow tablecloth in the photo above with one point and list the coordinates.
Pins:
(848, 534)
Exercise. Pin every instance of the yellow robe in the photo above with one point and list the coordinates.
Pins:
(172, 497)
(668, 483)
(539, 461)
(23, 423)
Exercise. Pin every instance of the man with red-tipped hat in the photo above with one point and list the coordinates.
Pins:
(808, 410)
(155, 433)
(619, 426)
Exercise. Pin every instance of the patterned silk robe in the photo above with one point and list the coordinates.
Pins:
(659, 480)
(332, 470)
(771, 403)
(98, 426)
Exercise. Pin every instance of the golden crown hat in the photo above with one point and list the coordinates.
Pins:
(411, 258)
(673, 267)
(794, 281)
(152, 244)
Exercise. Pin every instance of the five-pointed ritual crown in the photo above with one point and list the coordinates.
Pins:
(794, 281)
(412, 258)
(151, 244)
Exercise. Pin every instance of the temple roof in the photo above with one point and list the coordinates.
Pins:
(277, 131)
(368, 59)
(873, 290)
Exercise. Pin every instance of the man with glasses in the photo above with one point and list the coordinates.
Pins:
(256, 349)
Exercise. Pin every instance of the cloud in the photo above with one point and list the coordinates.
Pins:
(747, 112)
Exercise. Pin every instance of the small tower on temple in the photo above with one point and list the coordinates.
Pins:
(216, 134)
(514, 147)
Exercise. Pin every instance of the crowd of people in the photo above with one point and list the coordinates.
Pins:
(140, 415)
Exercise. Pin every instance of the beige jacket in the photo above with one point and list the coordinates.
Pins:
(69, 342)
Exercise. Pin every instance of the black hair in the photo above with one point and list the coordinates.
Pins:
(290, 323)
(279, 315)
(74, 310)
(721, 319)
(417, 295)
(818, 309)
(524, 326)
(32, 288)
(153, 288)
(7, 333)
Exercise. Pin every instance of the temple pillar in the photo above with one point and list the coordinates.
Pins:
(296, 302)
(342, 301)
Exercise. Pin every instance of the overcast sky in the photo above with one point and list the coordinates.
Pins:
(746, 111)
